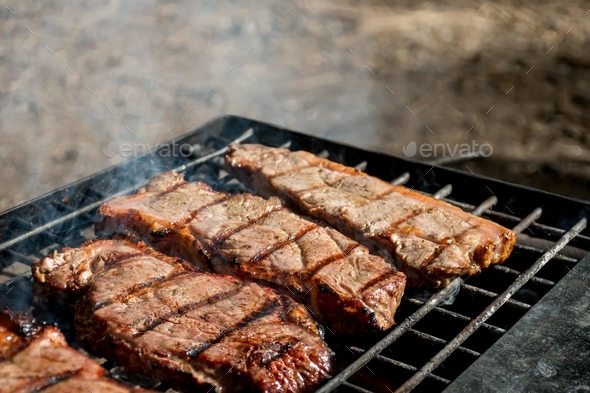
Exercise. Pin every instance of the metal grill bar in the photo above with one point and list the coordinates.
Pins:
(285, 145)
(385, 342)
(528, 220)
(443, 192)
(543, 244)
(461, 317)
(514, 303)
(508, 217)
(399, 364)
(485, 206)
(402, 179)
(558, 257)
(17, 256)
(534, 279)
(437, 340)
(491, 309)
(554, 231)
(361, 166)
(249, 132)
(526, 244)
(323, 154)
(42, 228)
(356, 388)
(400, 329)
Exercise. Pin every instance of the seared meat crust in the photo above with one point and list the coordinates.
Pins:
(161, 317)
(245, 236)
(429, 240)
(42, 361)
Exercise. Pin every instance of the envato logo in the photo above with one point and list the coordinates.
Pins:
(127, 150)
(445, 150)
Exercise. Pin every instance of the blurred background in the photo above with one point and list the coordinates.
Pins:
(76, 77)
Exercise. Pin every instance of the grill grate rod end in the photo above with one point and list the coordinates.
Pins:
(485, 206)
(285, 145)
(361, 166)
(539, 243)
(323, 154)
(491, 309)
(402, 179)
(528, 220)
(249, 132)
(443, 192)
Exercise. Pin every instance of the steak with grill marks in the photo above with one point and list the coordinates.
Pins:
(431, 241)
(160, 317)
(344, 286)
(38, 359)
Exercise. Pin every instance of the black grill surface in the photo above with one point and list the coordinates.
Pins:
(438, 335)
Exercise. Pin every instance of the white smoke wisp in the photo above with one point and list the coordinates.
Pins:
(425, 294)
(145, 72)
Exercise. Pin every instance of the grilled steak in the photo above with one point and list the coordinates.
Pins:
(42, 361)
(431, 241)
(160, 317)
(249, 237)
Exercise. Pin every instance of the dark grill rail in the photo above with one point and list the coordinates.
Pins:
(438, 335)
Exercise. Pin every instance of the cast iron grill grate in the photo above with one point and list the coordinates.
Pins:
(436, 337)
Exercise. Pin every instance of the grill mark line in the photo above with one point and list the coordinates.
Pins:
(392, 227)
(173, 188)
(377, 279)
(368, 201)
(217, 241)
(331, 258)
(56, 380)
(193, 213)
(328, 260)
(139, 288)
(188, 308)
(283, 350)
(116, 259)
(350, 249)
(391, 190)
(287, 172)
(434, 256)
(268, 307)
(280, 244)
(134, 291)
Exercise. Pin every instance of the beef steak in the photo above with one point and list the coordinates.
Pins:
(343, 285)
(41, 361)
(431, 241)
(161, 317)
